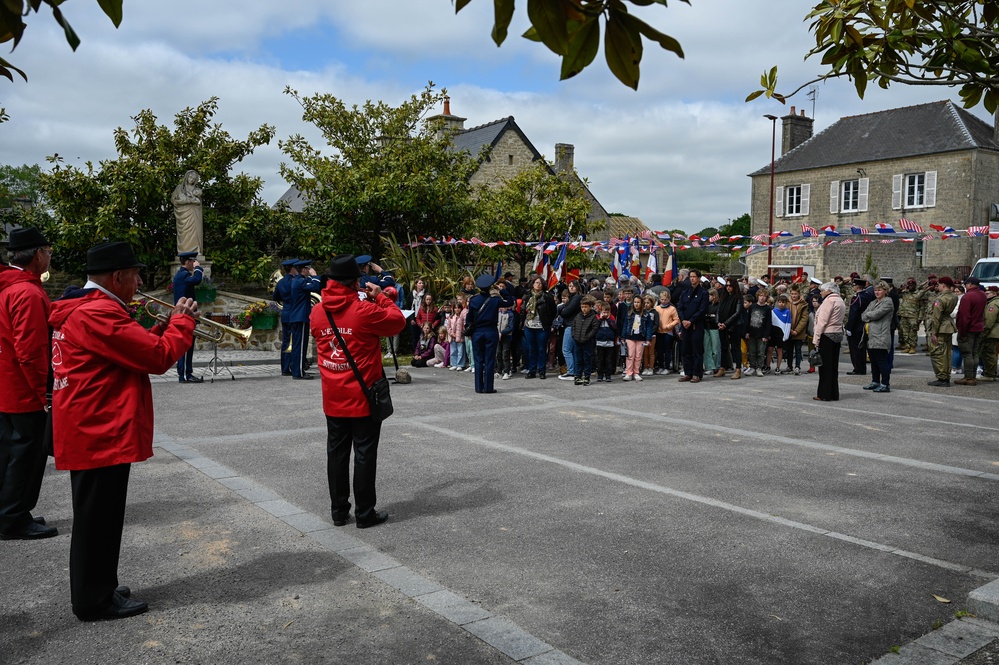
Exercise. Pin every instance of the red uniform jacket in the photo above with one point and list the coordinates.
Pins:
(24, 341)
(102, 402)
(362, 324)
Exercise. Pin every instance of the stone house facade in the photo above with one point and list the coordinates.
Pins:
(931, 164)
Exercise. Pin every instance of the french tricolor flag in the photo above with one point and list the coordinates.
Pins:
(882, 227)
(942, 229)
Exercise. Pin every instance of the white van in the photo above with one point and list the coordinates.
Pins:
(987, 271)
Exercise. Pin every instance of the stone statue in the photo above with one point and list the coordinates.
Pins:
(186, 200)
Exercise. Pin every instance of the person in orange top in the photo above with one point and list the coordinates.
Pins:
(102, 415)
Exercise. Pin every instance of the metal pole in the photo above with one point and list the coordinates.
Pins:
(773, 158)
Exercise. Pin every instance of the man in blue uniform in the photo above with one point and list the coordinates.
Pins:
(483, 311)
(190, 275)
(304, 283)
(282, 294)
(372, 273)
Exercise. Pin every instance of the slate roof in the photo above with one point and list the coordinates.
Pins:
(475, 138)
(912, 131)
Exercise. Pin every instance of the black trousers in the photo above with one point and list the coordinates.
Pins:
(185, 366)
(98, 519)
(693, 351)
(484, 350)
(829, 369)
(858, 356)
(22, 465)
(361, 435)
(285, 340)
(731, 345)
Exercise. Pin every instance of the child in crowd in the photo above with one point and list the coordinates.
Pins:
(624, 299)
(424, 351)
(606, 341)
(442, 349)
(780, 332)
(505, 324)
(799, 329)
(816, 301)
(758, 332)
(456, 333)
(584, 334)
(558, 331)
(649, 352)
(637, 333)
(712, 340)
(668, 320)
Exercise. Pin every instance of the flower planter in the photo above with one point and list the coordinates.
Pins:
(146, 321)
(205, 294)
(267, 321)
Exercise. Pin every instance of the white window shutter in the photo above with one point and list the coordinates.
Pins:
(834, 197)
(862, 194)
(779, 202)
(896, 192)
(931, 189)
(804, 199)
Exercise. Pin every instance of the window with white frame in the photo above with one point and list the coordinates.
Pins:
(848, 195)
(914, 190)
(792, 200)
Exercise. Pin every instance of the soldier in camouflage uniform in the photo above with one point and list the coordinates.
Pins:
(990, 338)
(908, 318)
(940, 331)
(927, 294)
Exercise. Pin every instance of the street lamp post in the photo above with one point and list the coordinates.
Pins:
(773, 161)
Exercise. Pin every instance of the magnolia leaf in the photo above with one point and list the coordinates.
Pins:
(113, 9)
(583, 47)
(71, 37)
(549, 20)
(531, 34)
(619, 49)
(5, 68)
(650, 33)
(460, 4)
(940, 598)
(503, 11)
(754, 95)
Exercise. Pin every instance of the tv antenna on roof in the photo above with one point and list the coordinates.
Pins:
(813, 94)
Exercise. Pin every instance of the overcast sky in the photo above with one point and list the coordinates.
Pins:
(675, 153)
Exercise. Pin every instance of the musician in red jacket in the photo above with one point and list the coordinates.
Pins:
(102, 408)
(24, 371)
(362, 321)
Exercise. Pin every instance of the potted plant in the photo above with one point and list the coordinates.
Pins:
(261, 315)
(137, 310)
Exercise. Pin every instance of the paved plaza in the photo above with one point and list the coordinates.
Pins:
(654, 522)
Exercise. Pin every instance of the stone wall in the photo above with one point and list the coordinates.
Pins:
(508, 158)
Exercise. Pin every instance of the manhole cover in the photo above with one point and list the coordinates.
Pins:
(987, 655)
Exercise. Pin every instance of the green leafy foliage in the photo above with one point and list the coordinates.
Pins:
(14, 13)
(128, 198)
(908, 42)
(391, 171)
(571, 29)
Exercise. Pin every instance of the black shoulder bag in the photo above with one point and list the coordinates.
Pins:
(469, 324)
(379, 398)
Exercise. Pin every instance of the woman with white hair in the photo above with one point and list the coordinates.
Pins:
(827, 337)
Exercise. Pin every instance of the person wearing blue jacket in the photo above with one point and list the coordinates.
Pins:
(282, 294)
(692, 308)
(483, 312)
(303, 284)
(185, 279)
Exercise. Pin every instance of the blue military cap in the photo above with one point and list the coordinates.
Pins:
(184, 256)
(362, 259)
(485, 281)
(289, 263)
(303, 263)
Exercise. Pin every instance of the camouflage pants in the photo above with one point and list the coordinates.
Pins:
(989, 357)
(940, 355)
(970, 346)
(908, 333)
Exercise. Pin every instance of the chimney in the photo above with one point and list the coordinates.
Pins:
(448, 123)
(795, 130)
(564, 153)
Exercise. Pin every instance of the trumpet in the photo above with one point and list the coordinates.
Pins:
(215, 336)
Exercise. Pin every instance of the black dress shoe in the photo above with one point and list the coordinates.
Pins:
(851, 373)
(380, 516)
(120, 608)
(489, 392)
(38, 520)
(285, 373)
(304, 377)
(123, 591)
(195, 379)
(30, 531)
(939, 384)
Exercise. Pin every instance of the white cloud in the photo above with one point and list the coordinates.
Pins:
(675, 153)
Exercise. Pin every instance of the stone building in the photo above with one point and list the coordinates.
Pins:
(930, 164)
(509, 151)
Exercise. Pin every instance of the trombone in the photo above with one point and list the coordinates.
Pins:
(215, 336)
